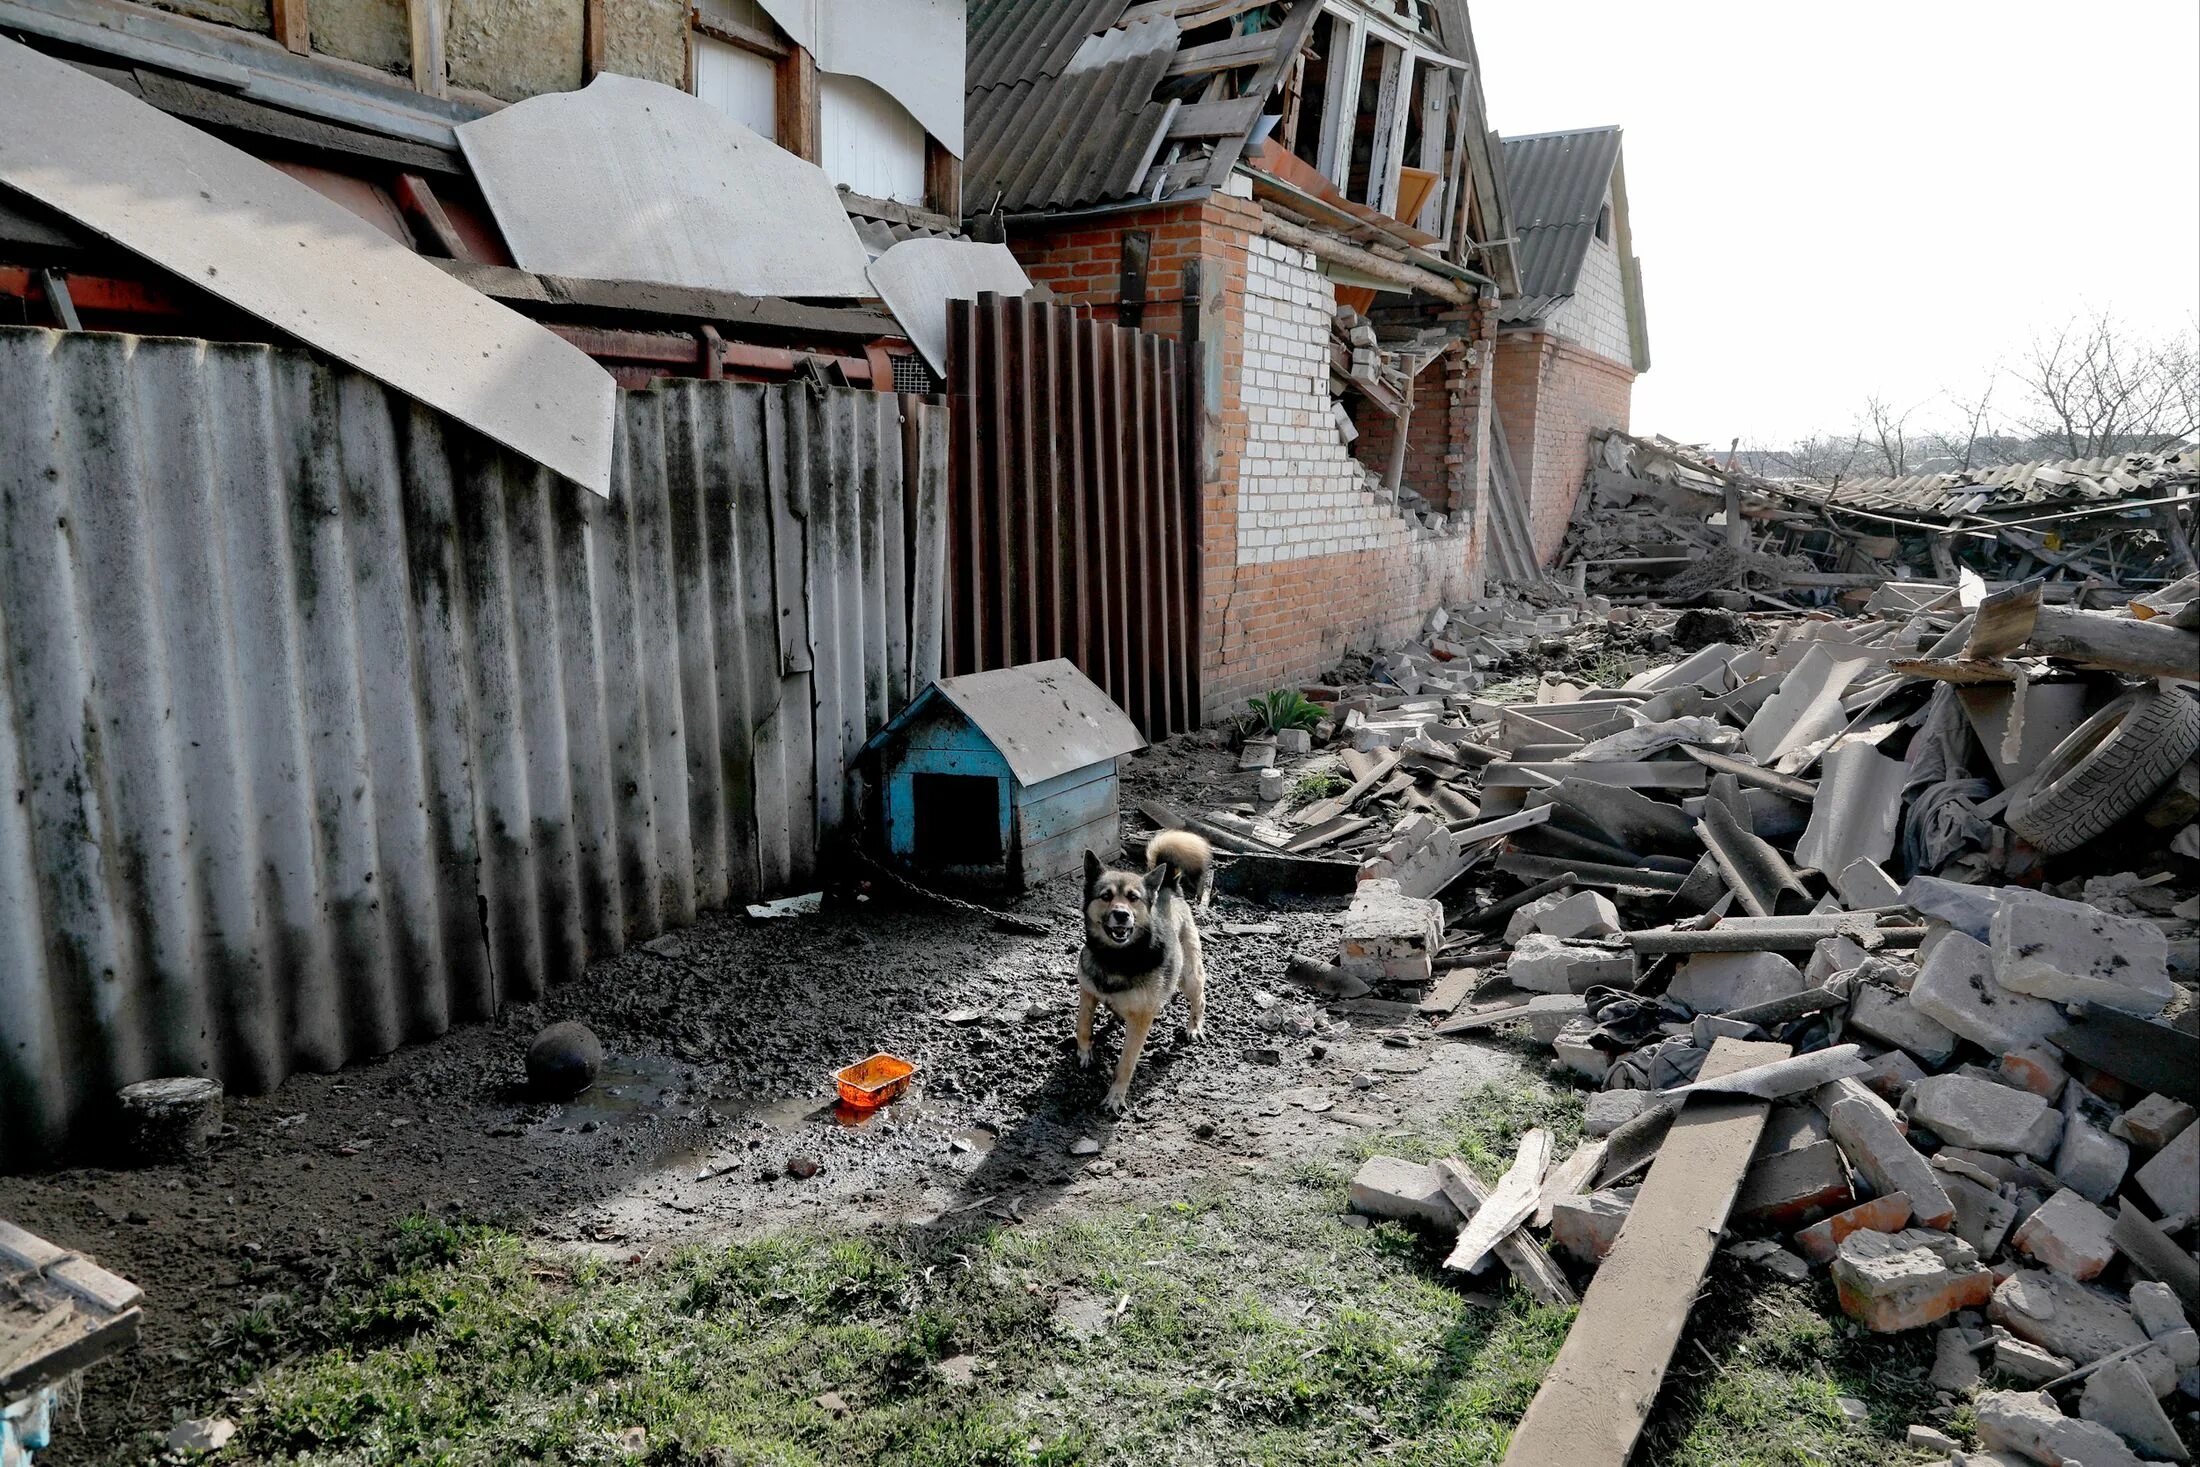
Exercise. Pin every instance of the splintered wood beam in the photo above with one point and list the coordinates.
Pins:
(1593, 1403)
(288, 21)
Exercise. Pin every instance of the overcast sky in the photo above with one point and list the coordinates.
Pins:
(1835, 200)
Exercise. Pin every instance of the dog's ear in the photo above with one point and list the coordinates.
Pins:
(1092, 870)
(1157, 880)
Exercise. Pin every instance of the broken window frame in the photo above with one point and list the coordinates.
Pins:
(1355, 27)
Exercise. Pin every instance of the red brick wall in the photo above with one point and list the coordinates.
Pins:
(1551, 394)
(1282, 623)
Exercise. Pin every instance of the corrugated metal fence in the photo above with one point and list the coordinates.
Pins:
(1074, 514)
(325, 723)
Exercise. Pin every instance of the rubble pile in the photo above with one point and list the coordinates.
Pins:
(1907, 897)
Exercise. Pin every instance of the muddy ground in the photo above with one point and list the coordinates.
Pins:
(718, 1078)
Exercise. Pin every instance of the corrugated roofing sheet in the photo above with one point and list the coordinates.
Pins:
(1024, 40)
(1078, 125)
(2119, 476)
(1046, 718)
(1556, 182)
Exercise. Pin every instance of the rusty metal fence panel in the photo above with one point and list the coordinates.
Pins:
(1074, 526)
(325, 723)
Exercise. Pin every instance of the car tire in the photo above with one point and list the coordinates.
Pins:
(2107, 768)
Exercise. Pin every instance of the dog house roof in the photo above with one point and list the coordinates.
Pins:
(1046, 718)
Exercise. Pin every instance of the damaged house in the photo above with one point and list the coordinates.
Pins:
(1571, 344)
(1311, 193)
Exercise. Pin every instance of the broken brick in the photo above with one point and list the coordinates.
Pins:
(1790, 1188)
(1885, 1159)
(1984, 1114)
(1822, 1239)
(2072, 952)
(2068, 1234)
(1898, 1281)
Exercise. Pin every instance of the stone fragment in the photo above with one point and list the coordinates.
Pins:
(1387, 1186)
(1771, 1257)
(1980, 1113)
(1791, 1126)
(2156, 1308)
(1274, 785)
(1956, 989)
(1886, 1160)
(2118, 1397)
(1294, 741)
(1853, 1411)
(2021, 1360)
(1892, 1018)
(1839, 953)
(2154, 1122)
(1863, 884)
(2090, 1161)
(1955, 1362)
(1983, 1215)
(1522, 921)
(1968, 909)
(2062, 1315)
(1822, 1239)
(1545, 964)
(2172, 1178)
(1929, 1439)
(1575, 1048)
(1898, 1281)
(2071, 952)
(2030, 1425)
(1584, 914)
(1608, 1110)
(2037, 1068)
(2069, 1235)
(1585, 1228)
(1388, 934)
(1791, 1188)
(1891, 1075)
(1715, 983)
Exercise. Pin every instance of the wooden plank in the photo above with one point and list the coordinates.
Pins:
(1225, 55)
(1322, 811)
(925, 454)
(1510, 1205)
(1233, 117)
(429, 71)
(795, 104)
(2003, 621)
(1592, 1405)
(1520, 1254)
(1569, 1179)
(1658, 775)
(1450, 991)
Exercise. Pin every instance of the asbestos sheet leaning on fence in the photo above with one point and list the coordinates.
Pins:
(328, 722)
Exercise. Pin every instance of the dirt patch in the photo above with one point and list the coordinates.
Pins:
(720, 1049)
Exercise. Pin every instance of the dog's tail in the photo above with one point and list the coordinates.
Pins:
(1190, 858)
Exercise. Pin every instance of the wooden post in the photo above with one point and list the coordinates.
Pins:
(1130, 289)
(288, 21)
(795, 118)
(592, 39)
(1395, 474)
(427, 45)
(943, 179)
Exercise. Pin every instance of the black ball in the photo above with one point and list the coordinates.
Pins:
(564, 1060)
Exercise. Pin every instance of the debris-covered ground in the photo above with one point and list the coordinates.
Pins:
(698, 1261)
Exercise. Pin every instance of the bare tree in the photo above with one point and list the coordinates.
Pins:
(1822, 457)
(2096, 387)
(1885, 432)
(1968, 442)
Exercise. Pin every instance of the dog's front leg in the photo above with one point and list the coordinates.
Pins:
(1134, 1040)
(1086, 1005)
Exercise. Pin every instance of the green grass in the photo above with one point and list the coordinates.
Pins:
(1248, 1322)
(1319, 785)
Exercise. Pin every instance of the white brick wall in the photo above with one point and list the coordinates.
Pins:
(1595, 316)
(1300, 491)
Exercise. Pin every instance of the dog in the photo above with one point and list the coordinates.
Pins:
(1141, 948)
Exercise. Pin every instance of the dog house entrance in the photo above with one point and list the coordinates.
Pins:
(957, 819)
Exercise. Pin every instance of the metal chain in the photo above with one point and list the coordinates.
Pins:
(1006, 920)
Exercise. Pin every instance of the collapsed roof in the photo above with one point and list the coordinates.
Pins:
(1090, 105)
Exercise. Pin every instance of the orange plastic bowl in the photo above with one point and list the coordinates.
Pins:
(871, 1083)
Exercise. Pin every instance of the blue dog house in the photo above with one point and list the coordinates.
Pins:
(1003, 778)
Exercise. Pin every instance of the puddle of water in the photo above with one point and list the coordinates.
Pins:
(628, 1088)
(788, 1115)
